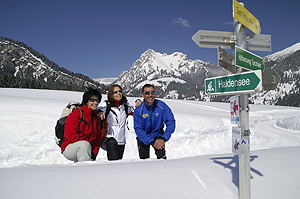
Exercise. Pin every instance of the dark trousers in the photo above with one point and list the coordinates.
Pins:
(114, 151)
(144, 151)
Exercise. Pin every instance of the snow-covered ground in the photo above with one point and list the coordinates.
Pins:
(200, 162)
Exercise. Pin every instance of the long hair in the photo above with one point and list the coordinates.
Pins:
(110, 93)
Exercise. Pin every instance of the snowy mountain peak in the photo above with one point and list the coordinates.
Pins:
(173, 64)
(150, 52)
(280, 55)
(172, 74)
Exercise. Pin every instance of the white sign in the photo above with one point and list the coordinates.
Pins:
(236, 140)
(234, 110)
(227, 40)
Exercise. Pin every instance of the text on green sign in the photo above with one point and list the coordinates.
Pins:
(233, 83)
(251, 62)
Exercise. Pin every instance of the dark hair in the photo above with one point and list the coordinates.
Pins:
(110, 93)
(88, 94)
(146, 86)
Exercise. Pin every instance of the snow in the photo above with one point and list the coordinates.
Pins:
(200, 162)
(283, 53)
(106, 81)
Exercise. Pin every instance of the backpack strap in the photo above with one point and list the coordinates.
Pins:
(81, 119)
(126, 108)
(126, 111)
(108, 108)
(102, 122)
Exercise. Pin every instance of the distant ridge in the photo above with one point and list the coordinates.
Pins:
(23, 67)
(106, 80)
(280, 55)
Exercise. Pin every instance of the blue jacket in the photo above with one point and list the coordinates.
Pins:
(149, 122)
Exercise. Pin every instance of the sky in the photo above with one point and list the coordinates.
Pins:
(200, 162)
(103, 38)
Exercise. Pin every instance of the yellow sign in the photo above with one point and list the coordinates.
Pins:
(241, 14)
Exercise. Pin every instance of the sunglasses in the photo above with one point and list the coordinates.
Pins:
(115, 92)
(148, 93)
(94, 100)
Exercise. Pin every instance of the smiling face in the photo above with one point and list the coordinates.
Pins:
(93, 102)
(149, 95)
(117, 94)
(138, 103)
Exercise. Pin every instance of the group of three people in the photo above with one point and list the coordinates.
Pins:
(153, 124)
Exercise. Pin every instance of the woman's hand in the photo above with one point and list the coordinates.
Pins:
(101, 115)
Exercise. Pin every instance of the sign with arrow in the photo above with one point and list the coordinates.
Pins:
(227, 61)
(234, 110)
(247, 82)
(241, 14)
(270, 79)
(213, 39)
(227, 40)
(248, 60)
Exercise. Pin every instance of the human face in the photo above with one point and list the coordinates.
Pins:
(138, 103)
(93, 105)
(149, 95)
(117, 94)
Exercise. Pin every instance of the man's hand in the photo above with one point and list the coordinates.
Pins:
(159, 144)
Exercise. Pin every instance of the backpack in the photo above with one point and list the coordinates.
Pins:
(60, 125)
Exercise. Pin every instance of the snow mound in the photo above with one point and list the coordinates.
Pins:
(289, 123)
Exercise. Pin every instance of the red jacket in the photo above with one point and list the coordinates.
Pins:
(89, 129)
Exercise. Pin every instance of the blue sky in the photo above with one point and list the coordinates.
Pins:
(102, 38)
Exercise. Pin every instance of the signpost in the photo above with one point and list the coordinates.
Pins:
(259, 42)
(227, 61)
(270, 79)
(236, 140)
(242, 83)
(247, 82)
(241, 14)
(234, 109)
(227, 40)
(213, 39)
(248, 60)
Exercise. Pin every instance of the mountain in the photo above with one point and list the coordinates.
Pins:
(23, 67)
(287, 64)
(177, 77)
(174, 76)
(106, 81)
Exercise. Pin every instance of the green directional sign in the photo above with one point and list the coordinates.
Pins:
(248, 60)
(247, 82)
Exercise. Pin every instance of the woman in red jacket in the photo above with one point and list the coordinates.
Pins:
(82, 138)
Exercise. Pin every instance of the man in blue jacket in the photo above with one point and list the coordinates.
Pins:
(149, 120)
